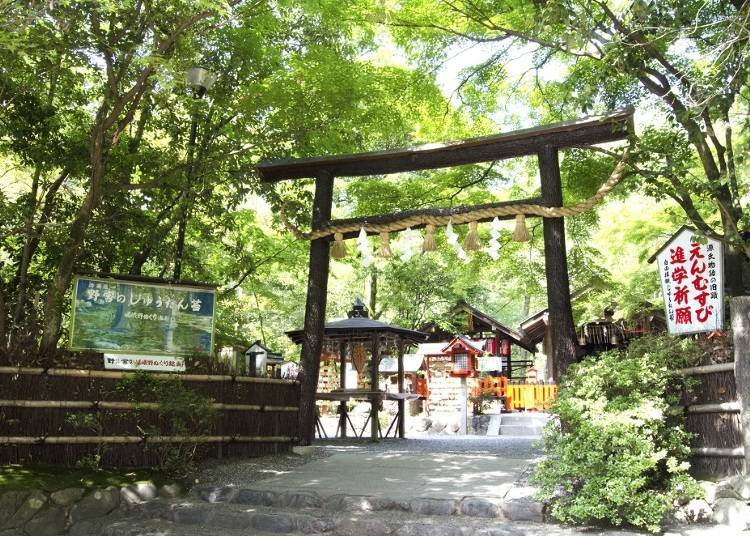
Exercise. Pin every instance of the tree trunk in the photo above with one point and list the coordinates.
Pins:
(315, 310)
(26, 253)
(53, 305)
(3, 313)
(740, 309)
(562, 333)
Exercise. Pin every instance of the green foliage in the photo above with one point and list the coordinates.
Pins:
(53, 478)
(616, 447)
(183, 412)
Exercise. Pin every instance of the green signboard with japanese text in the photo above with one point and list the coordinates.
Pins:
(116, 316)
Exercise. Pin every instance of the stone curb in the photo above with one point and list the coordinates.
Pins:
(521, 508)
(74, 511)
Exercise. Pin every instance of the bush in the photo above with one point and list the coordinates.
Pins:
(616, 446)
(183, 412)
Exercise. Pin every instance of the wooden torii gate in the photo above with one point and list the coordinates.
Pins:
(544, 142)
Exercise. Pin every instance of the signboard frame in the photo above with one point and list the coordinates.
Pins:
(662, 256)
(139, 283)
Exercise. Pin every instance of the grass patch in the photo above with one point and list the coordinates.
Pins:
(53, 478)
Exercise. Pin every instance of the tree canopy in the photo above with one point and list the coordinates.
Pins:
(111, 163)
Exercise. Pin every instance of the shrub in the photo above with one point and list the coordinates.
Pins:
(183, 412)
(616, 446)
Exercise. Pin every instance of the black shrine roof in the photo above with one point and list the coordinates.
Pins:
(359, 326)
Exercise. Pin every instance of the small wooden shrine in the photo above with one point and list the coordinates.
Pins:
(354, 336)
(483, 348)
(491, 337)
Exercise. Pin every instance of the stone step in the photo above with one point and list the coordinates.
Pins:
(493, 428)
(338, 515)
(517, 503)
(162, 527)
(524, 430)
(524, 418)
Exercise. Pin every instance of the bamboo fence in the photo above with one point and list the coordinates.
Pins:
(712, 414)
(40, 414)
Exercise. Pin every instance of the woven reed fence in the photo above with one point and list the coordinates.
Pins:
(255, 416)
(713, 415)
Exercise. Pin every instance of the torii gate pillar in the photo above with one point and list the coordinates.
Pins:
(561, 330)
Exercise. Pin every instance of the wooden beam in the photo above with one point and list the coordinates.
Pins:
(374, 387)
(579, 133)
(706, 369)
(117, 375)
(722, 407)
(102, 405)
(712, 452)
(94, 440)
(315, 309)
(401, 402)
(342, 386)
(562, 331)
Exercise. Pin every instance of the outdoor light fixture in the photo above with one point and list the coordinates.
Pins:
(201, 79)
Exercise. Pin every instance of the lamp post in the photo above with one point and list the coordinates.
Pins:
(200, 80)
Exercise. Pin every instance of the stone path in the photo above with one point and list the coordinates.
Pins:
(438, 486)
(401, 475)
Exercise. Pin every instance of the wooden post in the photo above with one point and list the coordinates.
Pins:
(342, 386)
(740, 310)
(401, 404)
(562, 332)
(374, 387)
(464, 406)
(315, 309)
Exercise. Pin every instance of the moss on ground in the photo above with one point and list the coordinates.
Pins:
(53, 478)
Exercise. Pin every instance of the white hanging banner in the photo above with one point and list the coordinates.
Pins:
(691, 269)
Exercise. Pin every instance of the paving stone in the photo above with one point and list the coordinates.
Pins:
(217, 495)
(500, 531)
(731, 512)
(741, 484)
(363, 527)
(423, 529)
(145, 490)
(87, 527)
(151, 509)
(698, 511)
(129, 498)
(251, 496)
(433, 507)
(382, 503)
(98, 503)
(10, 501)
(313, 524)
(302, 499)
(523, 510)
(348, 503)
(189, 513)
(32, 504)
(478, 507)
(709, 489)
(278, 523)
(233, 520)
(50, 521)
(170, 491)
(67, 496)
